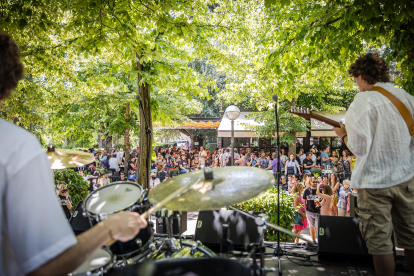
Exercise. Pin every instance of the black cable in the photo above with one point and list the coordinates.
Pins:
(303, 261)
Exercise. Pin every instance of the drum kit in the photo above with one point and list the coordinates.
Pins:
(205, 189)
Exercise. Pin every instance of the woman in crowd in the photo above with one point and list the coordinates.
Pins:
(344, 193)
(104, 180)
(64, 198)
(103, 158)
(334, 183)
(327, 200)
(114, 163)
(195, 163)
(320, 180)
(292, 166)
(269, 163)
(295, 180)
(160, 160)
(313, 156)
(299, 204)
(307, 180)
(333, 161)
(345, 164)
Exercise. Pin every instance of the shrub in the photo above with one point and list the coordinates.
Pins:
(267, 203)
(77, 186)
(315, 171)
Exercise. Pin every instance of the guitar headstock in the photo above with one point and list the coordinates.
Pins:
(302, 112)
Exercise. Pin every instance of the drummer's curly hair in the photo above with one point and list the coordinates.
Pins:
(11, 69)
(371, 67)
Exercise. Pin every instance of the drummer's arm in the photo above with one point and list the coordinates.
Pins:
(69, 260)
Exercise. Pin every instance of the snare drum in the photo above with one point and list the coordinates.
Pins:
(116, 197)
(98, 263)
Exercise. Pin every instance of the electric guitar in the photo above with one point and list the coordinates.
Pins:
(307, 114)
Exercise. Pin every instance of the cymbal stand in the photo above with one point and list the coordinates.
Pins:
(225, 242)
(179, 227)
(169, 245)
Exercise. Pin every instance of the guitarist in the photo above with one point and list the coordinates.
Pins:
(383, 175)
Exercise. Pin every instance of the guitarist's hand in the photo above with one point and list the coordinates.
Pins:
(340, 131)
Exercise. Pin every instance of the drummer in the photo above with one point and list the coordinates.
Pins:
(36, 237)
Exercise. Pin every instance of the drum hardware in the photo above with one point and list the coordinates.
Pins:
(100, 262)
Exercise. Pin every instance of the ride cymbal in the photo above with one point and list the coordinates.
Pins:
(63, 158)
(230, 185)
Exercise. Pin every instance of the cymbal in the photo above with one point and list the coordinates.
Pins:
(64, 158)
(230, 185)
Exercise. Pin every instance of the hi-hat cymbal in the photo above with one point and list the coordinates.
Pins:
(230, 185)
(63, 158)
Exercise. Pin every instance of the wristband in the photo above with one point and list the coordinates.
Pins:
(343, 137)
(109, 230)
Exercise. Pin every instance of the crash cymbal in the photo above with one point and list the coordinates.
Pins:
(64, 158)
(230, 185)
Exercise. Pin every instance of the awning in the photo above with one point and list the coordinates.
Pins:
(194, 125)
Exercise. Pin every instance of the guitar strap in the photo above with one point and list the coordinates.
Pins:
(405, 113)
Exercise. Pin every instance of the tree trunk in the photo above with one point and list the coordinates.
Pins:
(126, 139)
(145, 141)
(292, 145)
(108, 142)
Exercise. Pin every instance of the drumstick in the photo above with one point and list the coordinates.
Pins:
(162, 203)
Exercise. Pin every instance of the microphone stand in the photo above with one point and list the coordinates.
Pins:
(149, 146)
(278, 251)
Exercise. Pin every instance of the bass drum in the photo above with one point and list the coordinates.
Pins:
(190, 249)
(113, 198)
(98, 263)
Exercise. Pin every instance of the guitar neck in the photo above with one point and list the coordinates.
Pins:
(318, 117)
(325, 120)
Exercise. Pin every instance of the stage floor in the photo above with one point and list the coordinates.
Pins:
(298, 266)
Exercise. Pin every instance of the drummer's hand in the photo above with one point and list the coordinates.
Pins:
(340, 131)
(125, 225)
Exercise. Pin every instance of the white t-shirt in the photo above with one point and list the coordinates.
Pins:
(34, 226)
(114, 163)
(202, 156)
(119, 154)
(154, 183)
(379, 137)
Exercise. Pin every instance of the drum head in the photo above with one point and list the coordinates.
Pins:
(99, 259)
(113, 198)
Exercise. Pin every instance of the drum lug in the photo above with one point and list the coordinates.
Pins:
(139, 242)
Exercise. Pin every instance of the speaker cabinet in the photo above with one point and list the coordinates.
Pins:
(162, 229)
(340, 237)
(242, 229)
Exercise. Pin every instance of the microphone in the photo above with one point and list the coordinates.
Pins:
(275, 98)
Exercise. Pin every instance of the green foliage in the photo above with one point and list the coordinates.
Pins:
(211, 146)
(78, 187)
(267, 203)
(316, 171)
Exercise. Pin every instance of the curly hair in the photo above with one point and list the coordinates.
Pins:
(327, 189)
(371, 67)
(11, 69)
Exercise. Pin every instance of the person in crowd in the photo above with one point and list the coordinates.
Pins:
(161, 173)
(208, 152)
(302, 156)
(182, 163)
(154, 181)
(320, 180)
(275, 165)
(132, 178)
(105, 179)
(263, 161)
(94, 182)
(132, 164)
(202, 156)
(327, 200)
(254, 162)
(299, 204)
(345, 164)
(344, 192)
(242, 161)
(295, 180)
(223, 158)
(103, 159)
(284, 185)
(307, 180)
(307, 163)
(160, 160)
(269, 163)
(85, 177)
(312, 210)
(334, 183)
(325, 179)
(292, 166)
(325, 157)
(118, 153)
(290, 181)
(114, 163)
(228, 157)
(313, 151)
(64, 198)
(196, 162)
(318, 156)
(167, 177)
(333, 161)
(236, 157)
(283, 159)
(163, 153)
(122, 176)
(214, 155)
